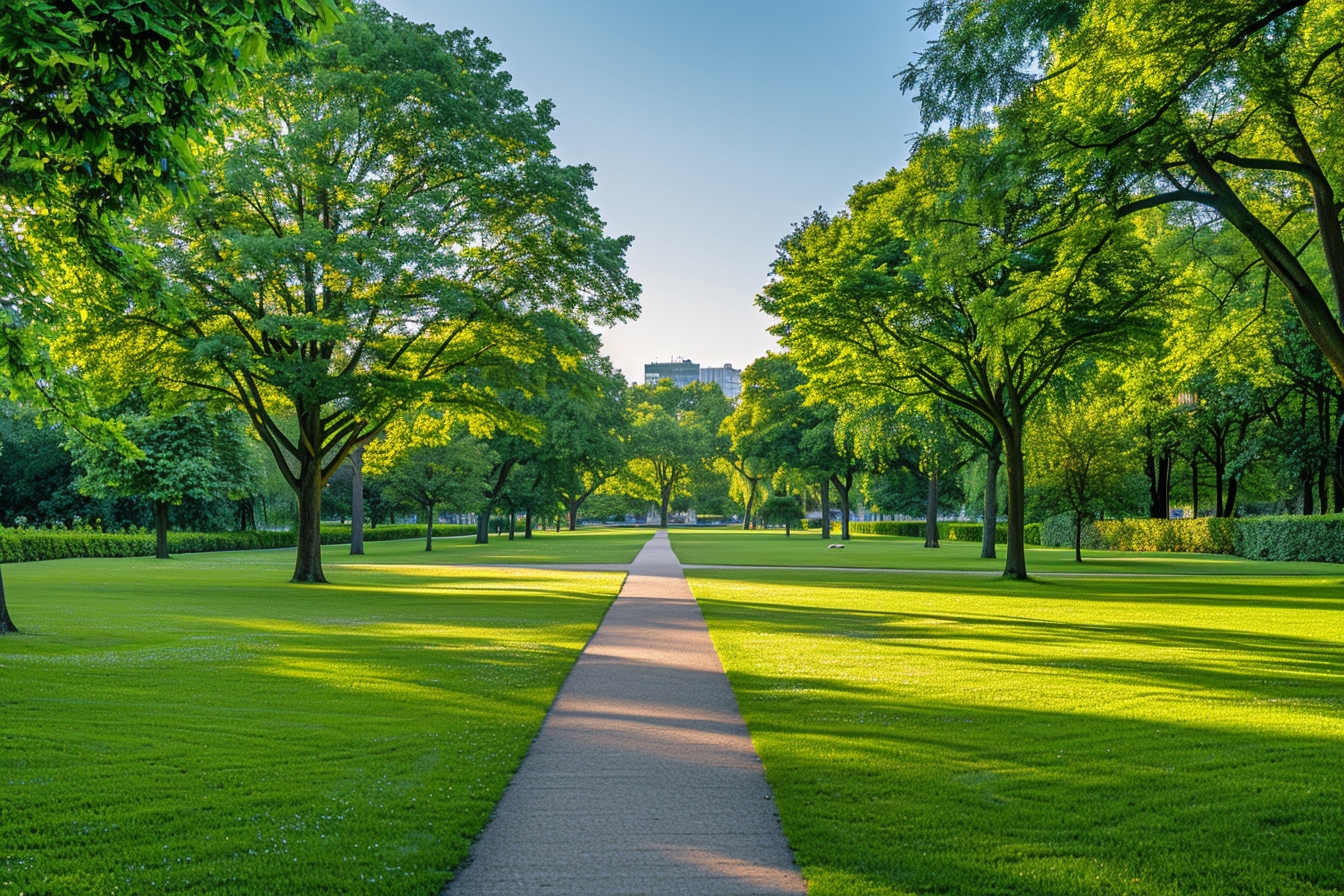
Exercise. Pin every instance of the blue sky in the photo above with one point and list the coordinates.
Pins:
(713, 127)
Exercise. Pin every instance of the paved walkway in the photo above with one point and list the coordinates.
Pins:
(643, 780)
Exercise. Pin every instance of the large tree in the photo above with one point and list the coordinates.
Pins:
(1229, 108)
(672, 430)
(967, 276)
(386, 222)
(434, 473)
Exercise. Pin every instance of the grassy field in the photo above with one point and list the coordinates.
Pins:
(770, 548)
(1068, 736)
(582, 546)
(198, 725)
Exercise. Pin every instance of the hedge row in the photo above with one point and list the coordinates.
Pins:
(950, 531)
(1293, 538)
(24, 545)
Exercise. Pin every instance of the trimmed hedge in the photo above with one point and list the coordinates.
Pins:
(950, 531)
(1291, 538)
(27, 545)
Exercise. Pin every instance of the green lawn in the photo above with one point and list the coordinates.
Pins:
(582, 546)
(198, 725)
(967, 735)
(771, 548)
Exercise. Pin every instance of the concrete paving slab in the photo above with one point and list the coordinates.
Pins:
(643, 780)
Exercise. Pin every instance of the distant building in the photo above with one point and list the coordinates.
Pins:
(679, 371)
(683, 372)
(729, 380)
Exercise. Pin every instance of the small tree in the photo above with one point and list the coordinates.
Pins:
(782, 510)
(190, 454)
(1082, 460)
(430, 475)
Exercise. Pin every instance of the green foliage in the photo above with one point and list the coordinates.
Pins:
(24, 545)
(310, 750)
(1283, 538)
(192, 453)
(387, 227)
(948, 530)
(782, 510)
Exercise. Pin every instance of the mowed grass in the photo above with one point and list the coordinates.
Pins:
(769, 547)
(968, 735)
(581, 546)
(201, 726)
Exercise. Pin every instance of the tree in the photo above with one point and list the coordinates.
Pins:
(387, 223)
(104, 103)
(968, 276)
(1220, 107)
(584, 438)
(671, 429)
(782, 510)
(430, 475)
(190, 454)
(1080, 460)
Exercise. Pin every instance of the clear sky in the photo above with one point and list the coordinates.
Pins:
(713, 127)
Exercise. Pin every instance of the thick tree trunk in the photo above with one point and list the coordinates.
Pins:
(161, 530)
(357, 501)
(1308, 493)
(1164, 483)
(572, 507)
(1016, 565)
(429, 527)
(483, 527)
(527, 524)
(989, 531)
(308, 560)
(825, 510)
(7, 625)
(751, 504)
(931, 513)
(1078, 538)
(662, 509)
(843, 489)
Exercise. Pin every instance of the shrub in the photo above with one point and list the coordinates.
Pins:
(1305, 538)
(901, 528)
(952, 531)
(27, 545)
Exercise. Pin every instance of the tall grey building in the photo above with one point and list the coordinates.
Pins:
(683, 372)
(729, 380)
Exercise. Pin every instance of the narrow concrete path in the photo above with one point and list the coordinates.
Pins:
(643, 780)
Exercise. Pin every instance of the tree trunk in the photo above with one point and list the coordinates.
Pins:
(751, 503)
(161, 530)
(527, 524)
(572, 507)
(7, 625)
(826, 510)
(1078, 538)
(429, 527)
(357, 501)
(662, 510)
(1218, 495)
(483, 527)
(1016, 565)
(308, 559)
(247, 514)
(990, 530)
(1194, 487)
(843, 489)
(931, 513)
(1308, 493)
(1164, 483)
(1231, 507)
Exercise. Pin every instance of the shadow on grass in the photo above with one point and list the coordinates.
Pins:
(882, 795)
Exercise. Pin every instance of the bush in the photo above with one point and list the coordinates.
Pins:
(26, 545)
(900, 528)
(1304, 538)
(1291, 538)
